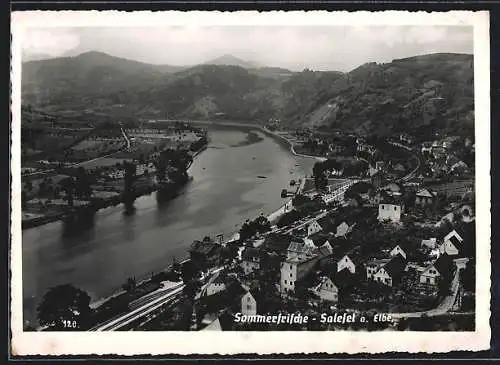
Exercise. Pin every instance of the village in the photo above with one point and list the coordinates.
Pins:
(393, 239)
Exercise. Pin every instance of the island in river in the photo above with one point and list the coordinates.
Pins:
(111, 246)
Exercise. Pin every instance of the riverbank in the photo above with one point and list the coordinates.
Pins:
(96, 204)
(280, 138)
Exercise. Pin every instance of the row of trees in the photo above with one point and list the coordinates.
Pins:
(251, 227)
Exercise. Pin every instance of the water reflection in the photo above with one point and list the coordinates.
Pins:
(130, 209)
(79, 223)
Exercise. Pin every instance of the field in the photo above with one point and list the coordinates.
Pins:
(103, 162)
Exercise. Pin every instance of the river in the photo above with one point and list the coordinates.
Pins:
(228, 187)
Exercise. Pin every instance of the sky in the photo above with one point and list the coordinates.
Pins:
(326, 48)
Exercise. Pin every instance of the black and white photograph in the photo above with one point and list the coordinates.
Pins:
(251, 174)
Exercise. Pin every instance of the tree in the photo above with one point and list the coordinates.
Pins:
(82, 183)
(130, 284)
(65, 307)
(68, 186)
(320, 179)
(130, 177)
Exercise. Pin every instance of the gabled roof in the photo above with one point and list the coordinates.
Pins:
(426, 193)
(396, 266)
(341, 277)
(377, 262)
(329, 276)
(454, 240)
(324, 250)
(453, 233)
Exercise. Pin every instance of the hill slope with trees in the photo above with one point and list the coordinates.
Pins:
(425, 93)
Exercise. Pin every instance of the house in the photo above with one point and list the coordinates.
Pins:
(431, 243)
(247, 304)
(216, 285)
(425, 197)
(391, 273)
(397, 250)
(399, 168)
(441, 269)
(313, 228)
(390, 210)
(438, 152)
(373, 266)
(459, 168)
(327, 290)
(250, 260)
(257, 241)
(379, 165)
(346, 263)
(426, 148)
(343, 229)
(405, 138)
(301, 248)
(205, 253)
(324, 250)
(452, 244)
(295, 269)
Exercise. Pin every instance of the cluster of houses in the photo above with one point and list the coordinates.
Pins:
(323, 260)
(314, 263)
(442, 160)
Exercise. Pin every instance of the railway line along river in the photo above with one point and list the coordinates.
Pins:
(239, 176)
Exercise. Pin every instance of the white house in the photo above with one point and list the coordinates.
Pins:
(392, 212)
(391, 273)
(426, 148)
(346, 263)
(373, 266)
(424, 197)
(342, 229)
(397, 251)
(452, 243)
(313, 228)
(438, 270)
(248, 304)
(328, 291)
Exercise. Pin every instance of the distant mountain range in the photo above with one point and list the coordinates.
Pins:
(229, 60)
(431, 92)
